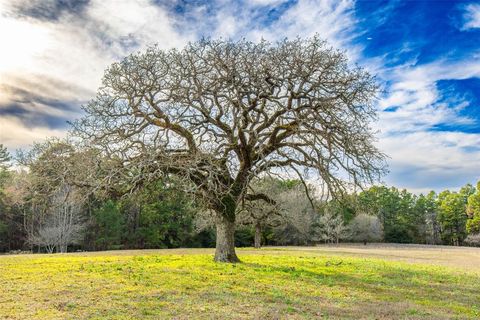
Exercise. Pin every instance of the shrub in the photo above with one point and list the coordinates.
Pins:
(473, 240)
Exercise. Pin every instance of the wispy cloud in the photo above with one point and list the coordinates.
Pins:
(471, 16)
(424, 161)
(15, 134)
(332, 20)
(418, 103)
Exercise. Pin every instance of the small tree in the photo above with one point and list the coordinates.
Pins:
(452, 216)
(261, 215)
(63, 225)
(108, 225)
(4, 157)
(366, 228)
(4, 174)
(331, 227)
(473, 212)
(4, 165)
(432, 226)
(217, 114)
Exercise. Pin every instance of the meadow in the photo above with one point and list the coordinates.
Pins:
(325, 282)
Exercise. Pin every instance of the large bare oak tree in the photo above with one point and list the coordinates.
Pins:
(217, 114)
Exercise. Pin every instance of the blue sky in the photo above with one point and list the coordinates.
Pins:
(426, 55)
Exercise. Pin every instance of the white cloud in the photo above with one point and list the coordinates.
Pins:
(22, 42)
(266, 2)
(141, 20)
(76, 48)
(15, 134)
(422, 161)
(333, 20)
(414, 93)
(471, 17)
(227, 26)
(63, 59)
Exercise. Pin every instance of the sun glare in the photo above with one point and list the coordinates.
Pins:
(22, 43)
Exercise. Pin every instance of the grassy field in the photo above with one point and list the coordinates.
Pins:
(345, 282)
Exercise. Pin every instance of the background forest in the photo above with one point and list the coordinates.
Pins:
(43, 209)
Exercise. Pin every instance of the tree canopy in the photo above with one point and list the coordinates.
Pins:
(218, 114)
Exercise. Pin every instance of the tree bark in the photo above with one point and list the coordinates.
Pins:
(225, 244)
(258, 236)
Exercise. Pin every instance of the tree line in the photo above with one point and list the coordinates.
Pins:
(41, 210)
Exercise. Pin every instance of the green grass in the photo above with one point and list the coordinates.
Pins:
(267, 285)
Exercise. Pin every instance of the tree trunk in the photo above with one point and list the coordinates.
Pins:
(225, 244)
(258, 236)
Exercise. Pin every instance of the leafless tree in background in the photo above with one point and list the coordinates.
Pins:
(63, 226)
(299, 216)
(219, 113)
(47, 168)
(366, 228)
(432, 228)
(332, 228)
